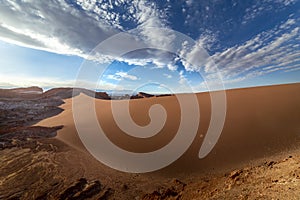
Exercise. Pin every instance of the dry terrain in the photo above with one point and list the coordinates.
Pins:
(256, 157)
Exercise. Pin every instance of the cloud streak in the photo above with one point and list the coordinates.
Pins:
(270, 51)
(53, 26)
(73, 28)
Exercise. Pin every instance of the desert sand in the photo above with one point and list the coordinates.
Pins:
(260, 122)
(256, 157)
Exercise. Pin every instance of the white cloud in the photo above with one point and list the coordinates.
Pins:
(53, 26)
(194, 57)
(189, 2)
(113, 77)
(121, 76)
(61, 27)
(168, 75)
(182, 78)
(293, 69)
(251, 58)
(270, 51)
(125, 75)
(172, 66)
(264, 6)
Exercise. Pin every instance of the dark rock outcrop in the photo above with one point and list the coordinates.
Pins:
(25, 135)
(84, 189)
(174, 190)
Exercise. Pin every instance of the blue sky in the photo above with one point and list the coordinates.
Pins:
(46, 43)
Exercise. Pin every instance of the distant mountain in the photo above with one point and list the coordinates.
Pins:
(65, 93)
(61, 93)
(29, 92)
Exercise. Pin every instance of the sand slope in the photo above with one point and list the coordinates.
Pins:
(260, 122)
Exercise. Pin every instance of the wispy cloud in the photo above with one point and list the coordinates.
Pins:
(263, 6)
(276, 49)
(52, 26)
(76, 28)
(73, 28)
(269, 51)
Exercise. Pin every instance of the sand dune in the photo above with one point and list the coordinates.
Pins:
(260, 122)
